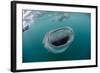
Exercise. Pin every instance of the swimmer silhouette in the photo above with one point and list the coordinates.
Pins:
(58, 40)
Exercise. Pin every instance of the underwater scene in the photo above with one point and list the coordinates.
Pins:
(55, 36)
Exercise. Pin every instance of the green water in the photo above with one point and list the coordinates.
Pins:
(80, 49)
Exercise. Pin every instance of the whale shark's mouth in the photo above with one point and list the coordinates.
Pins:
(58, 40)
(61, 41)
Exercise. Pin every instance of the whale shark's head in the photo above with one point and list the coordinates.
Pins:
(58, 40)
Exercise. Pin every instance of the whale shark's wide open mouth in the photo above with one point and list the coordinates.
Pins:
(61, 41)
(58, 40)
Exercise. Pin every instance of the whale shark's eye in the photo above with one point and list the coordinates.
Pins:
(58, 39)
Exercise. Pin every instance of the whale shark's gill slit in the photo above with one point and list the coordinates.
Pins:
(61, 41)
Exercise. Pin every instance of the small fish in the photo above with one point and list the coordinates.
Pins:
(25, 28)
(61, 17)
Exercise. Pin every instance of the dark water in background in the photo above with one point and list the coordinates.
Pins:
(80, 49)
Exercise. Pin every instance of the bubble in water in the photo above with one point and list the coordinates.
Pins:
(58, 40)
